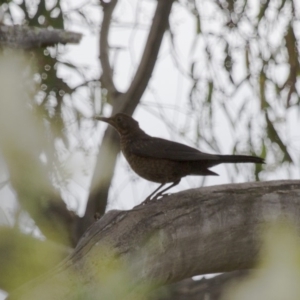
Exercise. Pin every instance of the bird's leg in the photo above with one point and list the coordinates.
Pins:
(167, 188)
(153, 193)
(148, 199)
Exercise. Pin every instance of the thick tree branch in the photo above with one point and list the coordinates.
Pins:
(101, 180)
(24, 37)
(199, 231)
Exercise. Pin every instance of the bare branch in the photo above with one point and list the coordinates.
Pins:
(24, 37)
(144, 71)
(199, 231)
(107, 74)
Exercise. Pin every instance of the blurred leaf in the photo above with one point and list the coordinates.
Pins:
(23, 257)
(73, 67)
(291, 47)
(274, 137)
(224, 106)
(257, 170)
(192, 69)
(282, 5)
(277, 274)
(247, 59)
(228, 60)
(210, 91)
(264, 6)
(293, 55)
(262, 84)
(263, 153)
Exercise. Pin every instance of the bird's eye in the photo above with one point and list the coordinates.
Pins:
(119, 119)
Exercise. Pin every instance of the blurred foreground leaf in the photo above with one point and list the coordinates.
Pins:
(278, 275)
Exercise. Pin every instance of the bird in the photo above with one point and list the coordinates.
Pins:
(163, 161)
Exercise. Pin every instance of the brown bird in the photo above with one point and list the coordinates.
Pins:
(163, 161)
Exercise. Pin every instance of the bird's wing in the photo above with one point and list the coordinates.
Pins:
(164, 149)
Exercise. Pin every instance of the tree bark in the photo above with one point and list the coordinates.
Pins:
(198, 231)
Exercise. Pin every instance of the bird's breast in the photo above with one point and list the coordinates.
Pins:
(154, 169)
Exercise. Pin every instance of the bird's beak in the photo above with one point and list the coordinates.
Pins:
(110, 120)
(103, 119)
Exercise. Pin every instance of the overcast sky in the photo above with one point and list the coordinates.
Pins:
(164, 100)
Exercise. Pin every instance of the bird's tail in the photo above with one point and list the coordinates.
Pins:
(241, 159)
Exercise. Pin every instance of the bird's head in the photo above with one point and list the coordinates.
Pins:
(123, 123)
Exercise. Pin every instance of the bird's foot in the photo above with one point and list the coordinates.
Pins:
(147, 200)
(155, 198)
(165, 195)
(161, 196)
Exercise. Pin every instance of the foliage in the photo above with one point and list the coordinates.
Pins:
(245, 63)
(278, 271)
